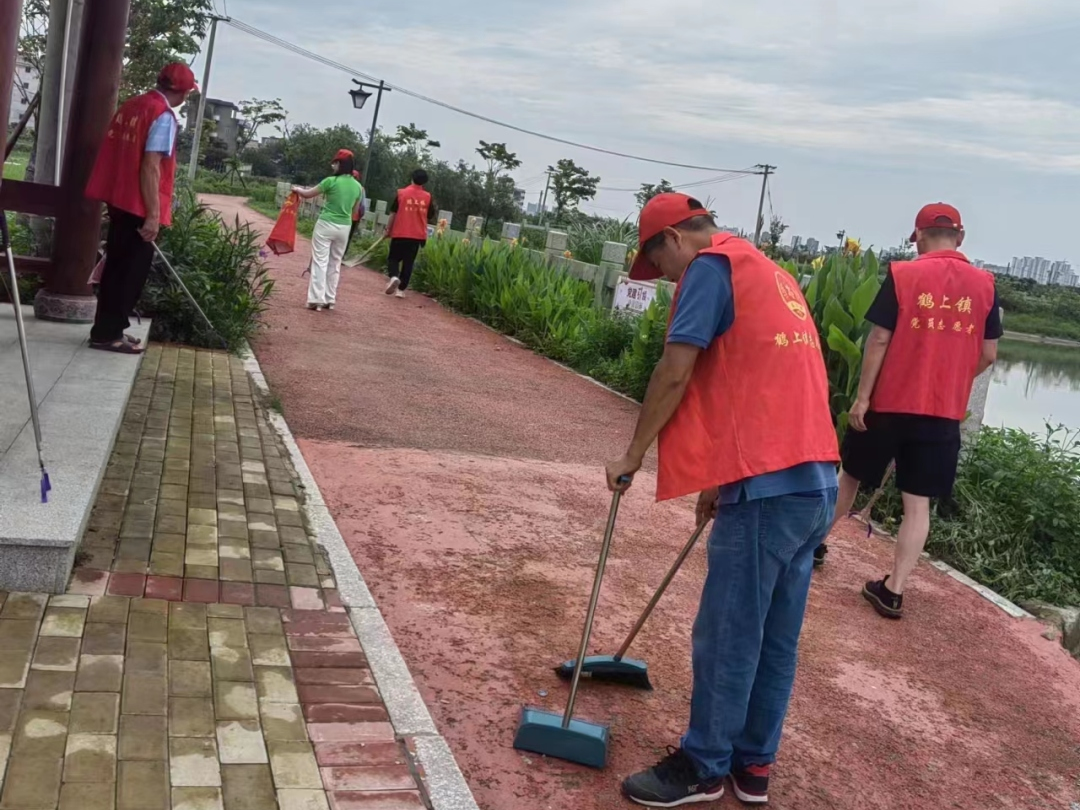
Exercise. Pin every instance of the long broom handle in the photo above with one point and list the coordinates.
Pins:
(865, 513)
(660, 591)
(591, 614)
(370, 250)
(187, 292)
(21, 328)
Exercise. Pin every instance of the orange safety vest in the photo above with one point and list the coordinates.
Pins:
(758, 399)
(930, 364)
(410, 220)
(115, 177)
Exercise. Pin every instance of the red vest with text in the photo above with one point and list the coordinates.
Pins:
(931, 361)
(758, 400)
(115, 178)
(410, 220)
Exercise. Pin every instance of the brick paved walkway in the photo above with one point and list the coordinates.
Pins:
(201, 659)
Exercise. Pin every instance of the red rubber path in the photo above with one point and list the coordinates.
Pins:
(466, 476)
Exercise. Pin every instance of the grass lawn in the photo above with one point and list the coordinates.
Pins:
(15, 166)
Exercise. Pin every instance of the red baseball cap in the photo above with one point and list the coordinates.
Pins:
(937, 215)
(342, 154)
(662, 211)
(177, 76)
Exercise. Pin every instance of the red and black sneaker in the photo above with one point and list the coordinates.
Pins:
(751, 784)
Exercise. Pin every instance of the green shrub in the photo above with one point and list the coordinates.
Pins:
(1014, 521)
(545, 308)
(585, 240)
(221, 266)
(211, 182)
(839, 293)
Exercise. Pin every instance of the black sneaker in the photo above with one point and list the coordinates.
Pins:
(819, 555)
(672, 782)
(751, 784)
(888, 604)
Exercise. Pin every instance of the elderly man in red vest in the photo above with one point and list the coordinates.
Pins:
(740, 404)
(134, 176)
(936, 325)
(410, 212)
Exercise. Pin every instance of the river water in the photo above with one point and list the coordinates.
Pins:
(1034, 384)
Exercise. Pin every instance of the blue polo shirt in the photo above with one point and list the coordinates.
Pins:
(706, 310)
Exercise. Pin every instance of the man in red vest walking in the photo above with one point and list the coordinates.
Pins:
(740, 404)
(936, 326)
(410, 212)
(134, 176)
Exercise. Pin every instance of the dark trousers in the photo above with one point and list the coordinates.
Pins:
(127, 265)
(352, 230)
(403, 255)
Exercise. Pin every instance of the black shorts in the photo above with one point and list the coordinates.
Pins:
(926, 450)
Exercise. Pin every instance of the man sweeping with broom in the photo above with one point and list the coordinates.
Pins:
(740, 404)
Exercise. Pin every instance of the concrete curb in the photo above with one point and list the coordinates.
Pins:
(445, 783)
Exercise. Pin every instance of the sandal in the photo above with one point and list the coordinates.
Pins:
(117, 346)
(134, 341)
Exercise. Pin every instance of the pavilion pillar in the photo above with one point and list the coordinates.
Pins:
(10, 23)
(67, 295)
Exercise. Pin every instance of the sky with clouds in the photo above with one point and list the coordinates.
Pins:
(870, 108)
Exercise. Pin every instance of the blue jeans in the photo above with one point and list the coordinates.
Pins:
(746, 635)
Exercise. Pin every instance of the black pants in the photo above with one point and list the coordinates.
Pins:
(127, 265)
(352, 230)
(403, 254)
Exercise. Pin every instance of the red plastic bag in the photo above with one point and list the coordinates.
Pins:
(282, 238)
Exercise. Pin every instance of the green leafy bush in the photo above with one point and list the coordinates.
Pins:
(545, 308)
(1014, 521)
(221, 266)
(839, 292)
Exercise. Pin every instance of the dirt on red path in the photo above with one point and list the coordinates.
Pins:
(480, 548)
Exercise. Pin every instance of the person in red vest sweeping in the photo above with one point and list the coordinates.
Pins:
(410, 212)
(740, 404)
(936, 323)
(134, 175)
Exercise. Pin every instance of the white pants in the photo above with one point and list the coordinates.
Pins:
(328, 244)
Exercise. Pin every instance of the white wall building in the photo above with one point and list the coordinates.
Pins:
(23, 90)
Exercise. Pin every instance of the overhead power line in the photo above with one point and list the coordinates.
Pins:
(304, 52)
(710, 181)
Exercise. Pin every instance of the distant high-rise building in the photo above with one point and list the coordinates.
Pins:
(1040, 270)
(796, 242)
(812, 246)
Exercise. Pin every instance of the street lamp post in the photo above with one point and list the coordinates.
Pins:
(359, 97)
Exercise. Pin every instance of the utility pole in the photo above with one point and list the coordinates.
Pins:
(374, 125)
(193, 165)
(766, 170)
(543, 197)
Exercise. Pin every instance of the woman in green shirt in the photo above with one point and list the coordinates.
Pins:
(331, 236)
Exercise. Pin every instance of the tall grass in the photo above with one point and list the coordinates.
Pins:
(546, 309)
(586, 239)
